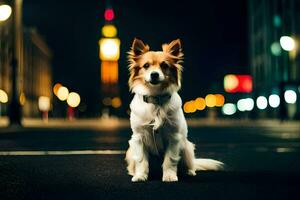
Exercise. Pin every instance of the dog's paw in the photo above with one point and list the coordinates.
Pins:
(191, 172)
(170, 176)
(139, 178)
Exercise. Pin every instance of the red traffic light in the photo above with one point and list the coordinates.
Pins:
(109, 14)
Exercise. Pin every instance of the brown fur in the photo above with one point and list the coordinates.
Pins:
(140, 54)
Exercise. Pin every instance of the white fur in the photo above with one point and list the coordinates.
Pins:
(170, 127)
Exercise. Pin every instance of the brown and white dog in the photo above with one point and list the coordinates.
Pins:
(157, 120)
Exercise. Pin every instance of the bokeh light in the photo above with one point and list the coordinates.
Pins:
(73, 99)
(230, 82)
(56, 87)
(290, 96)
(287, 43)
(3, 96)
(109, 30)
(5, 12)
(189, 107)
(245, 104)
(200, 103)
(229, 109)
(22, 98)
(109, 49)
(44, 103)
(109, 14)
(276, 49)
(62, 93)
(220, 100)
(116, 102)
(261, 102)
(274, 100)
(210, 100)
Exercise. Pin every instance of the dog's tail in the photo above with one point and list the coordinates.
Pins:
(208, 164)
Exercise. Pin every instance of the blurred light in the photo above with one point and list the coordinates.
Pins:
(109, 72)
(73, 99)
(106, 101)
(109, 14)
(290, 96)
(277, 21)
(109, 31)
(274, 100)
(238, 83)
(220, 100)
(261, 102)
(3, 96)
(200, 103)
(44, 103)
(229, 109)
(210, 100)
(245, 104)
(56, 87)
(5, 12)
(116, 102)
(189, 107)
(241, 105)
(22, 99)
(287, 43)
(62, 93)
(230, 82)
(109, 49)
(276, 49)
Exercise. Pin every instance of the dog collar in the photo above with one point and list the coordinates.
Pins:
(158, 99)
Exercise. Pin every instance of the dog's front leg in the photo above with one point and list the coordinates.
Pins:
(171, 159)
(140, 157)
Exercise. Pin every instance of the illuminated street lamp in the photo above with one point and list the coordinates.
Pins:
(5, 12)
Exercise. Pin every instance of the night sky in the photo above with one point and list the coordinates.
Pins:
(213, 34)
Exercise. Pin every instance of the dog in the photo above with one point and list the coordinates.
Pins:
(157, 120)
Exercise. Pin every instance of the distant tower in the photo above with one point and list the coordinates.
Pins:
(109, 54)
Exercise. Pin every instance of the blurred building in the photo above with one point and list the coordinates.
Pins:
(37, 74)
(274, 69)
(34, 75)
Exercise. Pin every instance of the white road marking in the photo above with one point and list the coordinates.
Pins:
(76, 152)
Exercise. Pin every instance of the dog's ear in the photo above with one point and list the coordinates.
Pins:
(173, 48)
(138, 47)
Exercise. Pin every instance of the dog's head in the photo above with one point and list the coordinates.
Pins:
(155, 71)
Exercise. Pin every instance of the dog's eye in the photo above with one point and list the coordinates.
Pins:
(146, 65)
(164, 65)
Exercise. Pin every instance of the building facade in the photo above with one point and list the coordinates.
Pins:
(34, 73)
(274, 69)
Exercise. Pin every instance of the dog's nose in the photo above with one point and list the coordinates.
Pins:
(154, 75)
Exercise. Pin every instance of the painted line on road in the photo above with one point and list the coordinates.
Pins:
(51, 153)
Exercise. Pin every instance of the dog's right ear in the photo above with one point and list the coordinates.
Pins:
(138, 47)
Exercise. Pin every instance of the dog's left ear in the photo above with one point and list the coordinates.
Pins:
(173, 48)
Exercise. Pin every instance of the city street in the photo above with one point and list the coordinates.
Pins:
(262, 162)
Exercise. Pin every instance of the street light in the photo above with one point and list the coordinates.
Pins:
(73, 99)
(5, 12)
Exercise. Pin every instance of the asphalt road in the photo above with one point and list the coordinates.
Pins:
(261, 163)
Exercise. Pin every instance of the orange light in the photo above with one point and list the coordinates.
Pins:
(210, 100)
(220, 100)
(116, 102)
(109, 72)
(189, 107)
(200, 103)
(56, 88)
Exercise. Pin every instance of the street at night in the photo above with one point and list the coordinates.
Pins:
(105, 99)
(262, 162)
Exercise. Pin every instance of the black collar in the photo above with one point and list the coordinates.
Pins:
(158, 99)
